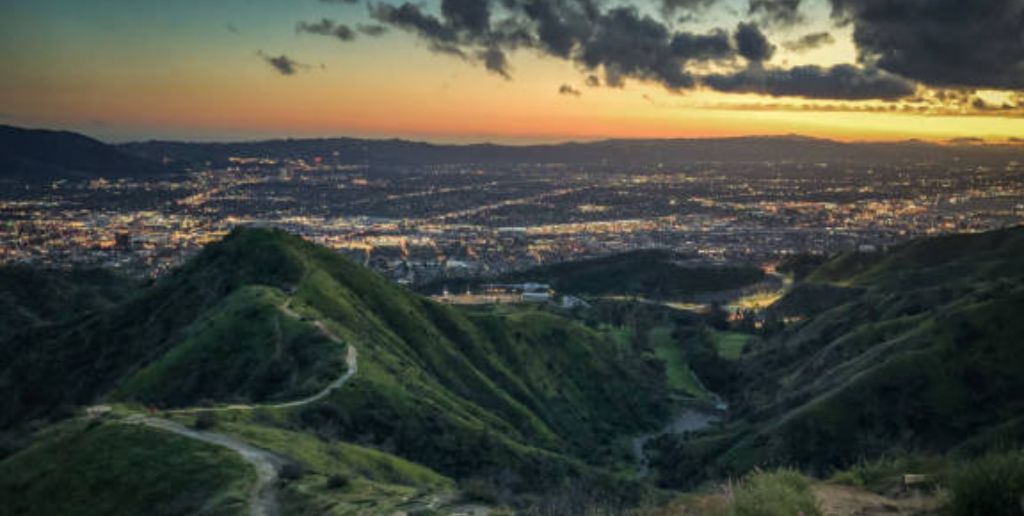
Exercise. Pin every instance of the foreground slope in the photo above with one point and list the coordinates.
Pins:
(916, 349)
(85, 469)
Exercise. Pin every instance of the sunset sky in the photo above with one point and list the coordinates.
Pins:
(514, 70)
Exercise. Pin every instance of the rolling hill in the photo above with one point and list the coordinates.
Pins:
(917, 350)
(30, 296)
(42, 155)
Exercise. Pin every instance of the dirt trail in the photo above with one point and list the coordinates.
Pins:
(352, 366)
(849, 501)
(263, 499)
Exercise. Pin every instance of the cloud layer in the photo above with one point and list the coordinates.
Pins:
(957, 43)
(900, 43)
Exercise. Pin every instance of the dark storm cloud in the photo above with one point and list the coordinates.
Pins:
(566, 89)
(626, 43)
(472, 15)
(282, 64)
(712, 46)
(954, 43)
(673, 5)
(621, 42)
(776, 12)
(494, 60)
(372, 30)
(752, 44)
(845, 82)
(327, 27)
(560, 24)
(685, 10)
(411, 18)
(809, 42)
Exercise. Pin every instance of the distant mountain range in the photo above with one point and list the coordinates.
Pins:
(606, 152)
(32, 154)
(36, 154)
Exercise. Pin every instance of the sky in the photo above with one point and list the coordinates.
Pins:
(515, 71)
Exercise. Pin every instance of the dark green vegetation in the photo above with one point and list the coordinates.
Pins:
(104, 469)
(515, 400)
(654, 274)
(992, 484)
(31, 297)
(917, 349)
(41, 155)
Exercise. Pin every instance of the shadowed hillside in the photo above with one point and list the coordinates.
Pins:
(915, 349)
(41, 155)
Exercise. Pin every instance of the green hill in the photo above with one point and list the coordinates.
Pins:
(523, 399)
(916, 349)
(119, 469)
(31, 297)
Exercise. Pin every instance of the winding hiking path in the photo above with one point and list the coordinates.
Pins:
(351, 361)
(263, 499)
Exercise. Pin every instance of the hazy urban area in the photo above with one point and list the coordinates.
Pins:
(423, 223)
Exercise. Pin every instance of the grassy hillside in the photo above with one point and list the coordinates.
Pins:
(245, 348)
(31, 296)
(116, 469)
(529, 397)
(920, 350)
(653, 273)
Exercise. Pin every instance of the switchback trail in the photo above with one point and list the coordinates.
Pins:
(351, 362)
(263, 499)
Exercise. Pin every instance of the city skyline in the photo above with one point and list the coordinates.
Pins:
(243, 70)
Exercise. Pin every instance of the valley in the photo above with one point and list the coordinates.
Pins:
(318, 387)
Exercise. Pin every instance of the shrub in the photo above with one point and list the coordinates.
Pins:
(292, 471)
(264, 417)
(205, 421)
(479, 490)
(337, 481)
(992, 485)
(783, 492)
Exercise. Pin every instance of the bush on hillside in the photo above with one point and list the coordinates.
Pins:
(291, 471)
(205, 421)
(337, 481)
(992, 485)
(783, 492)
